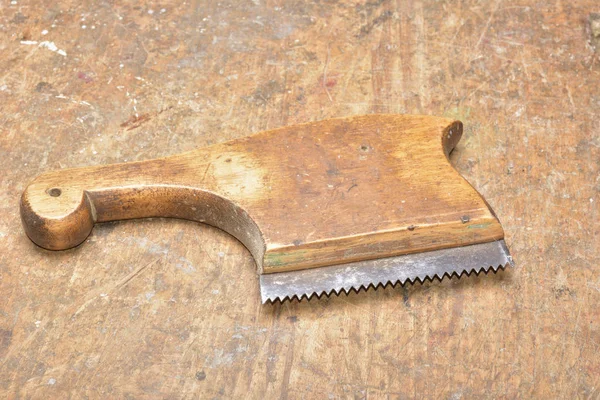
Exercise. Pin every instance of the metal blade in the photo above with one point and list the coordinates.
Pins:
(401, 269)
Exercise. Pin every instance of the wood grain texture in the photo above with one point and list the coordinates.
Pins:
(304, 196)
(159, 308)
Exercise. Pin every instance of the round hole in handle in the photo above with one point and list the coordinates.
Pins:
(54, 192)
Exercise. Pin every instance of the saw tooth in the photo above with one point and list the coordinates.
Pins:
(410, 268)
(391, 283)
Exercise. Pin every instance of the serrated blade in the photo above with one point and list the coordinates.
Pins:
(383, 271)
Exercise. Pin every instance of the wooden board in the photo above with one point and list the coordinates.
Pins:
(170, 308)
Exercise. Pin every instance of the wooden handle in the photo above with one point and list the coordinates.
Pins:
(298, 197)
(59, 208)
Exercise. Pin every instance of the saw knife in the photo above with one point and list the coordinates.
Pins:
(323, 207)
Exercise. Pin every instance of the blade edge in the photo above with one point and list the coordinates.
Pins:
(360, 275)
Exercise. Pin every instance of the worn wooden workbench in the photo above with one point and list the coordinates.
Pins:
(168, 309)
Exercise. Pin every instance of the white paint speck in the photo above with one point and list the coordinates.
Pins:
(83, 26)
(28, 42)
(38, 323)
(215, 291)
(121, 65)
(519, 112)
(93, 27)
(591, 200)
(52, 47)
(221, 254)
(150, 12)
(13, 2)
(3, 88)
(51, 381)
(44, 32)
(102, 294)
(163, 10)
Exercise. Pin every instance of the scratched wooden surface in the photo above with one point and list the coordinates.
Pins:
(170, 309)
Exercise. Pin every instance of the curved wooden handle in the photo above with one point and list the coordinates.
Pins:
(298, 197)
(60, 208)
